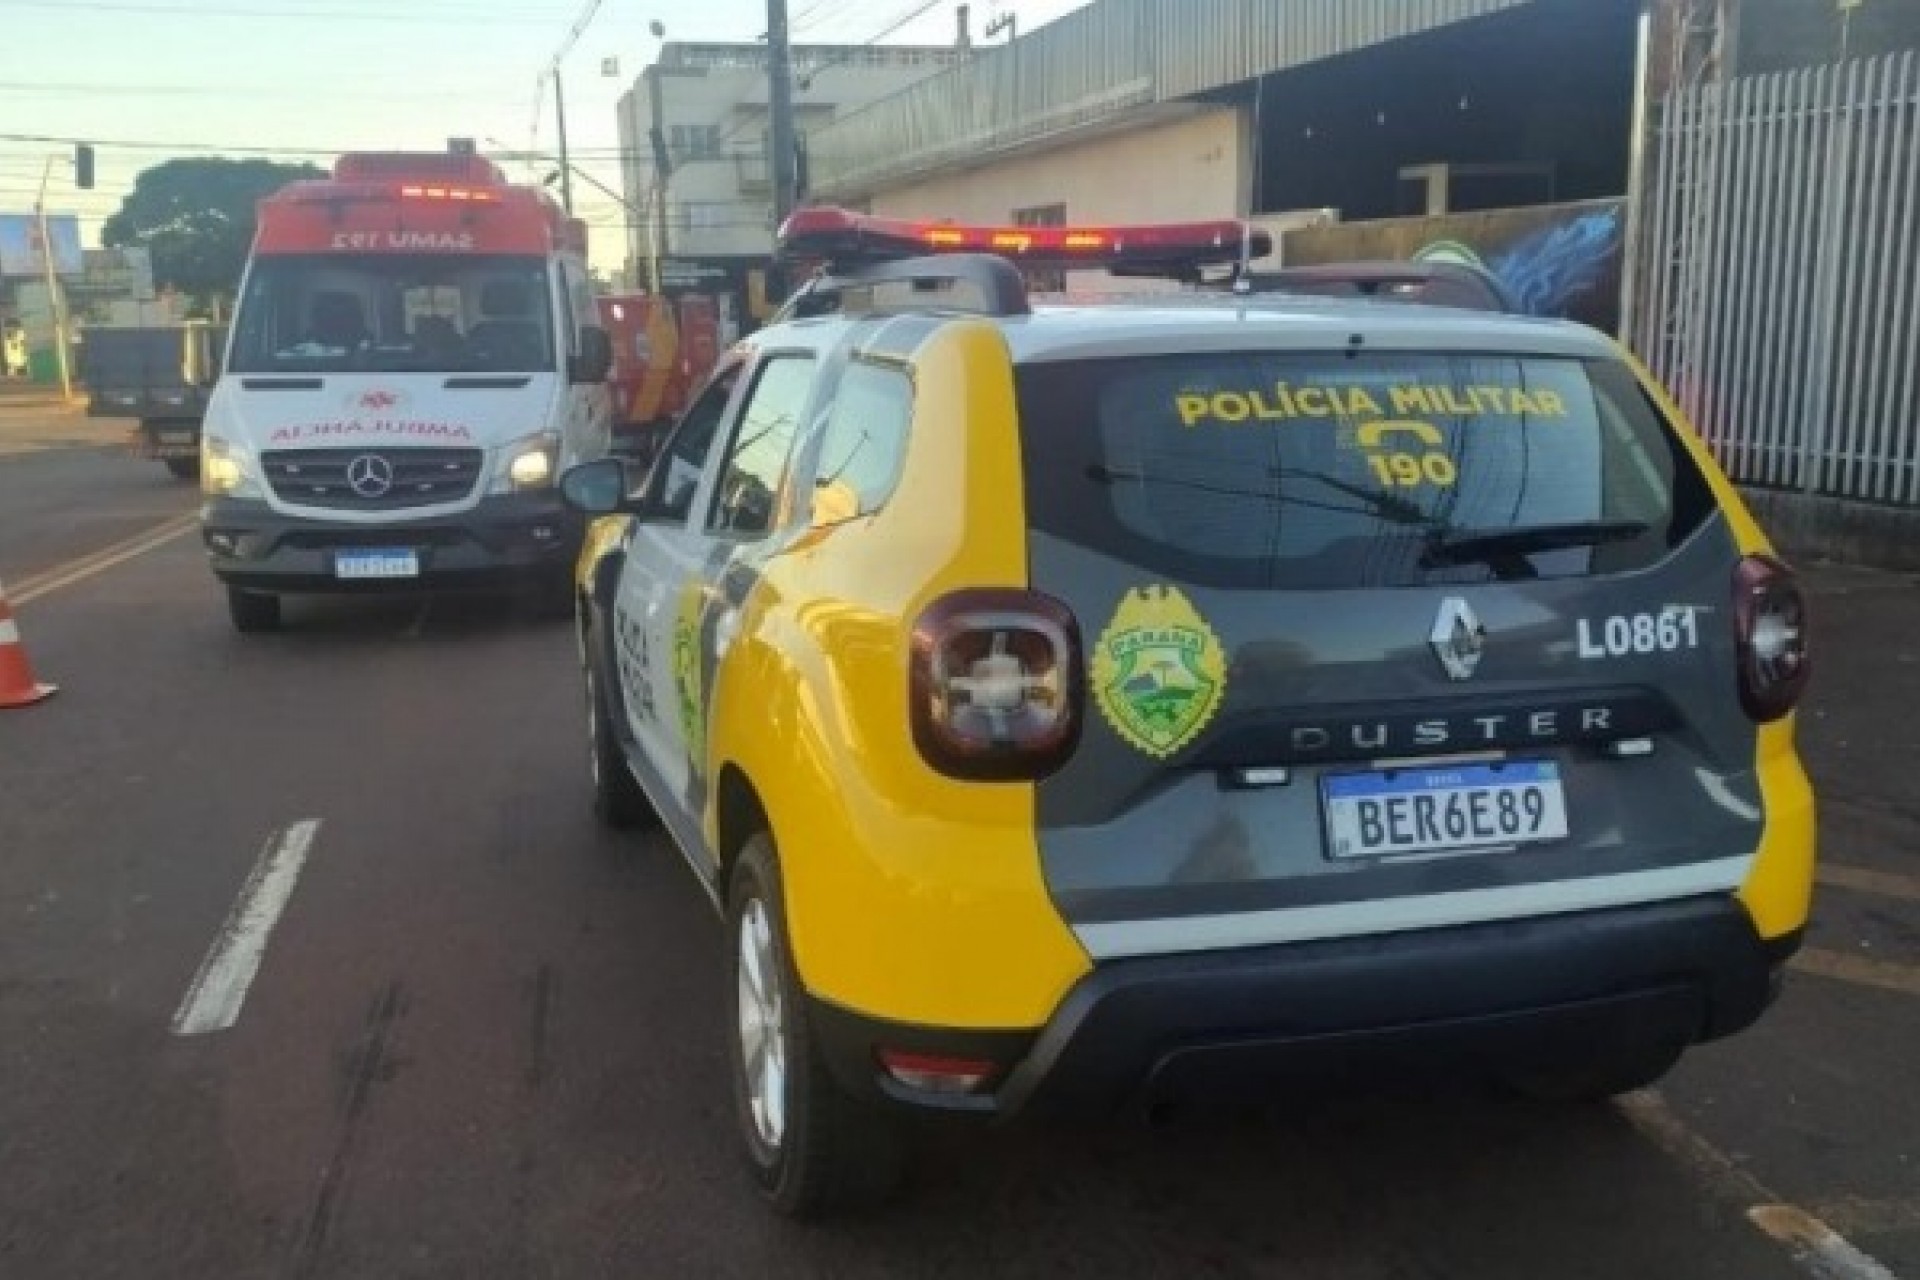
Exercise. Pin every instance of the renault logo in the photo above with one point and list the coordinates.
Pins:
(370, 475)
(1458, 638)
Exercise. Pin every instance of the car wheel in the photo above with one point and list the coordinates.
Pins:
(1610, 1073)
(814, 1150)
(618, 800)
(184, 468)
(253, 611)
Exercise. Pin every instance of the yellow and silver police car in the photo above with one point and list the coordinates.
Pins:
(1081, 708)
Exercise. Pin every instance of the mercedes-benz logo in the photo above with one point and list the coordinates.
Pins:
(370, 475)
(1458, 638)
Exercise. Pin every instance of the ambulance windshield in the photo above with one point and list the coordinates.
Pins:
(391, 313)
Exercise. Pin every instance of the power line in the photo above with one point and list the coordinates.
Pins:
(297, 15)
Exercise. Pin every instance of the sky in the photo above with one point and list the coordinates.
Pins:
(145, 79)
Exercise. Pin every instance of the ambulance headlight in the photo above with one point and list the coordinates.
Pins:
(526, 464)
(227, 470)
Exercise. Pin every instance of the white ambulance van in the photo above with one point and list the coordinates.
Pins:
(416, 356)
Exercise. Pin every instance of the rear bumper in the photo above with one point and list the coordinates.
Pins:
(503, 540)
(165, 438)
(1249, 1022)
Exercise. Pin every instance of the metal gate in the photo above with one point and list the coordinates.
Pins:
(1778, 275)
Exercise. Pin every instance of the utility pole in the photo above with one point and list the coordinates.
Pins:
(55, 311)
(560, 121)
(560, 99)
(780, 110)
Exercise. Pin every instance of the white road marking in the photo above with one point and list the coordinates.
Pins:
(87, 566)
(1818, 1248)
(213, 999)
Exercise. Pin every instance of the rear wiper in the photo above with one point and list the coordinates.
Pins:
(1379, 505)
(1464, 546)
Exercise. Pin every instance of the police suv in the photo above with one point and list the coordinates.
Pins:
(1082, 708)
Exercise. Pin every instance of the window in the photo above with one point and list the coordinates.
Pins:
(865, 441)
(395, 313)
(701, 215)
(676, 476)
(1315, 471)
(748, 503)
(586, 312)
(694, 141)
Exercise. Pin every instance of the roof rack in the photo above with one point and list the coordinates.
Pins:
(998, 282)
(1439, 284)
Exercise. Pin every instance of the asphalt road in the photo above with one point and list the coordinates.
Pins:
(486, 1038)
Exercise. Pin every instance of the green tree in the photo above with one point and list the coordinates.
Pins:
(196, 217)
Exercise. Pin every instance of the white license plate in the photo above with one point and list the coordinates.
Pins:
(380, 563)
(1415, 811)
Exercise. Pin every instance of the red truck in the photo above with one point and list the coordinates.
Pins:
(663, 349)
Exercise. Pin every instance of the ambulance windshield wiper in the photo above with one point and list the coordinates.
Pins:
(1466, 546)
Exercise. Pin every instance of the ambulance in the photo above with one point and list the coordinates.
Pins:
(416, 356)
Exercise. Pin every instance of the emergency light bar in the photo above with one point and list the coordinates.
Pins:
(1174, 248)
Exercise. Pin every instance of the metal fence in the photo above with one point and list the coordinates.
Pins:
(1778, 275)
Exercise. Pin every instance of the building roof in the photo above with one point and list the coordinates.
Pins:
(1108, 61)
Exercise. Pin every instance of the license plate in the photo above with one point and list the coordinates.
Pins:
(177, 437)
(1415, 811)
(377, 563)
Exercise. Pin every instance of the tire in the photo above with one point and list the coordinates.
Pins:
(618, 800)
(253, 612)
(1610, 1073)
(183, 468)
(814, 1151)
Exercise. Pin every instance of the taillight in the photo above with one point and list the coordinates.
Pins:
(996, 685)
(1770, 615)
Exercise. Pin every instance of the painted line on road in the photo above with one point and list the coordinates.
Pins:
(1816, 1247)
(1842, 967)
(214, 997)
(1820, 1249)
(1865, 1216)
(1887, 884)
(87, 566)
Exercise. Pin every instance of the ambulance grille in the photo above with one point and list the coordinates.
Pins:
(372, 479)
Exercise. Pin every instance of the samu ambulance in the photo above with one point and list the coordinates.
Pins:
(416, 356)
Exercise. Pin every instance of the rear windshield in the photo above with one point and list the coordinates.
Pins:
(395, 313)
(1329, 470)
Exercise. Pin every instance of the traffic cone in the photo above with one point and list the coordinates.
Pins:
(18, 688)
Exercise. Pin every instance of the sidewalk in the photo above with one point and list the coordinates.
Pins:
(1860, 728)
(31, 422)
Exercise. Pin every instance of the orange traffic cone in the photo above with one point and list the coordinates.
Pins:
(18, 688)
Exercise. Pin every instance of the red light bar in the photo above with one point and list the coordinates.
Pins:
(470, 195)
(838, 235)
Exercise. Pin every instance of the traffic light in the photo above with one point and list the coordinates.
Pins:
(83, 165)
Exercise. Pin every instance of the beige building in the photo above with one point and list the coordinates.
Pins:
(709, 102)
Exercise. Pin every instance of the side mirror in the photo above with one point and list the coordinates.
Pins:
(597, 488)
(595, 360)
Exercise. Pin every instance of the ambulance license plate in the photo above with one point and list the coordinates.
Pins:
(377, 562)
(1418, 811)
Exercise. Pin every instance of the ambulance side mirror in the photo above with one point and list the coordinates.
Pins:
(595, 359)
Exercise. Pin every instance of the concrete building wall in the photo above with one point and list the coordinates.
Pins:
(1194, 167)
(1775, 35)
